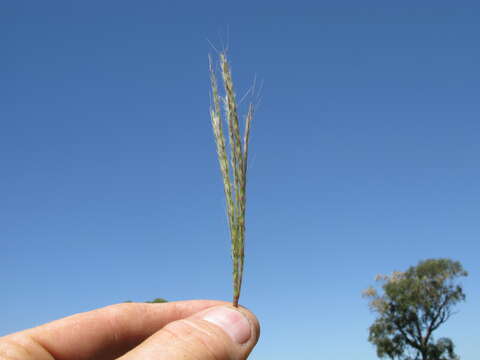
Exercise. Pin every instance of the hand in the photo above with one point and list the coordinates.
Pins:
(188, 330)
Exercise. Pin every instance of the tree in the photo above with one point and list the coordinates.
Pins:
(157, 300)
(412, 306)
(154, 301)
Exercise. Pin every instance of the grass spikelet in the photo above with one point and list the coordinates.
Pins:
(233, 163)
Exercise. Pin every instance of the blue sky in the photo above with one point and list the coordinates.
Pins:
(364, 160)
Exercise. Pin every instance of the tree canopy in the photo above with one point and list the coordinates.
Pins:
(411, 305)
(154, 301)
(157, 300)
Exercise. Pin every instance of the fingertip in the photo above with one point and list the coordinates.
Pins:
(220, 332)
(239, 323)
(255, 323)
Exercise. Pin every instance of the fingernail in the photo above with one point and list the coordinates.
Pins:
(233, 322)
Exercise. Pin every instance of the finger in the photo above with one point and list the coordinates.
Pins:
(218, 333)
(101, 334)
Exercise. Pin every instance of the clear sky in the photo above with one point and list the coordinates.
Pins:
(364, 160)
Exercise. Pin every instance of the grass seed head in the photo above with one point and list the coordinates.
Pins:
(233, 163)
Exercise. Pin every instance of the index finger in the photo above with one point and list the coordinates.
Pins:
(102, 334)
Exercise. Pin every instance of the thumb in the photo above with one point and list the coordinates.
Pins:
(217, 333)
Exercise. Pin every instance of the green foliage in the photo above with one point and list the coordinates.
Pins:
(412, 306)
(156, 301)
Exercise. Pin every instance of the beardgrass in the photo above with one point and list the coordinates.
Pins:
(233, 163)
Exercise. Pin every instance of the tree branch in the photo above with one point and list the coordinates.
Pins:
(406, 336)
(441, 316)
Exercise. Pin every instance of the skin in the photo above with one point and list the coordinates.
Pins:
(186, 330)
